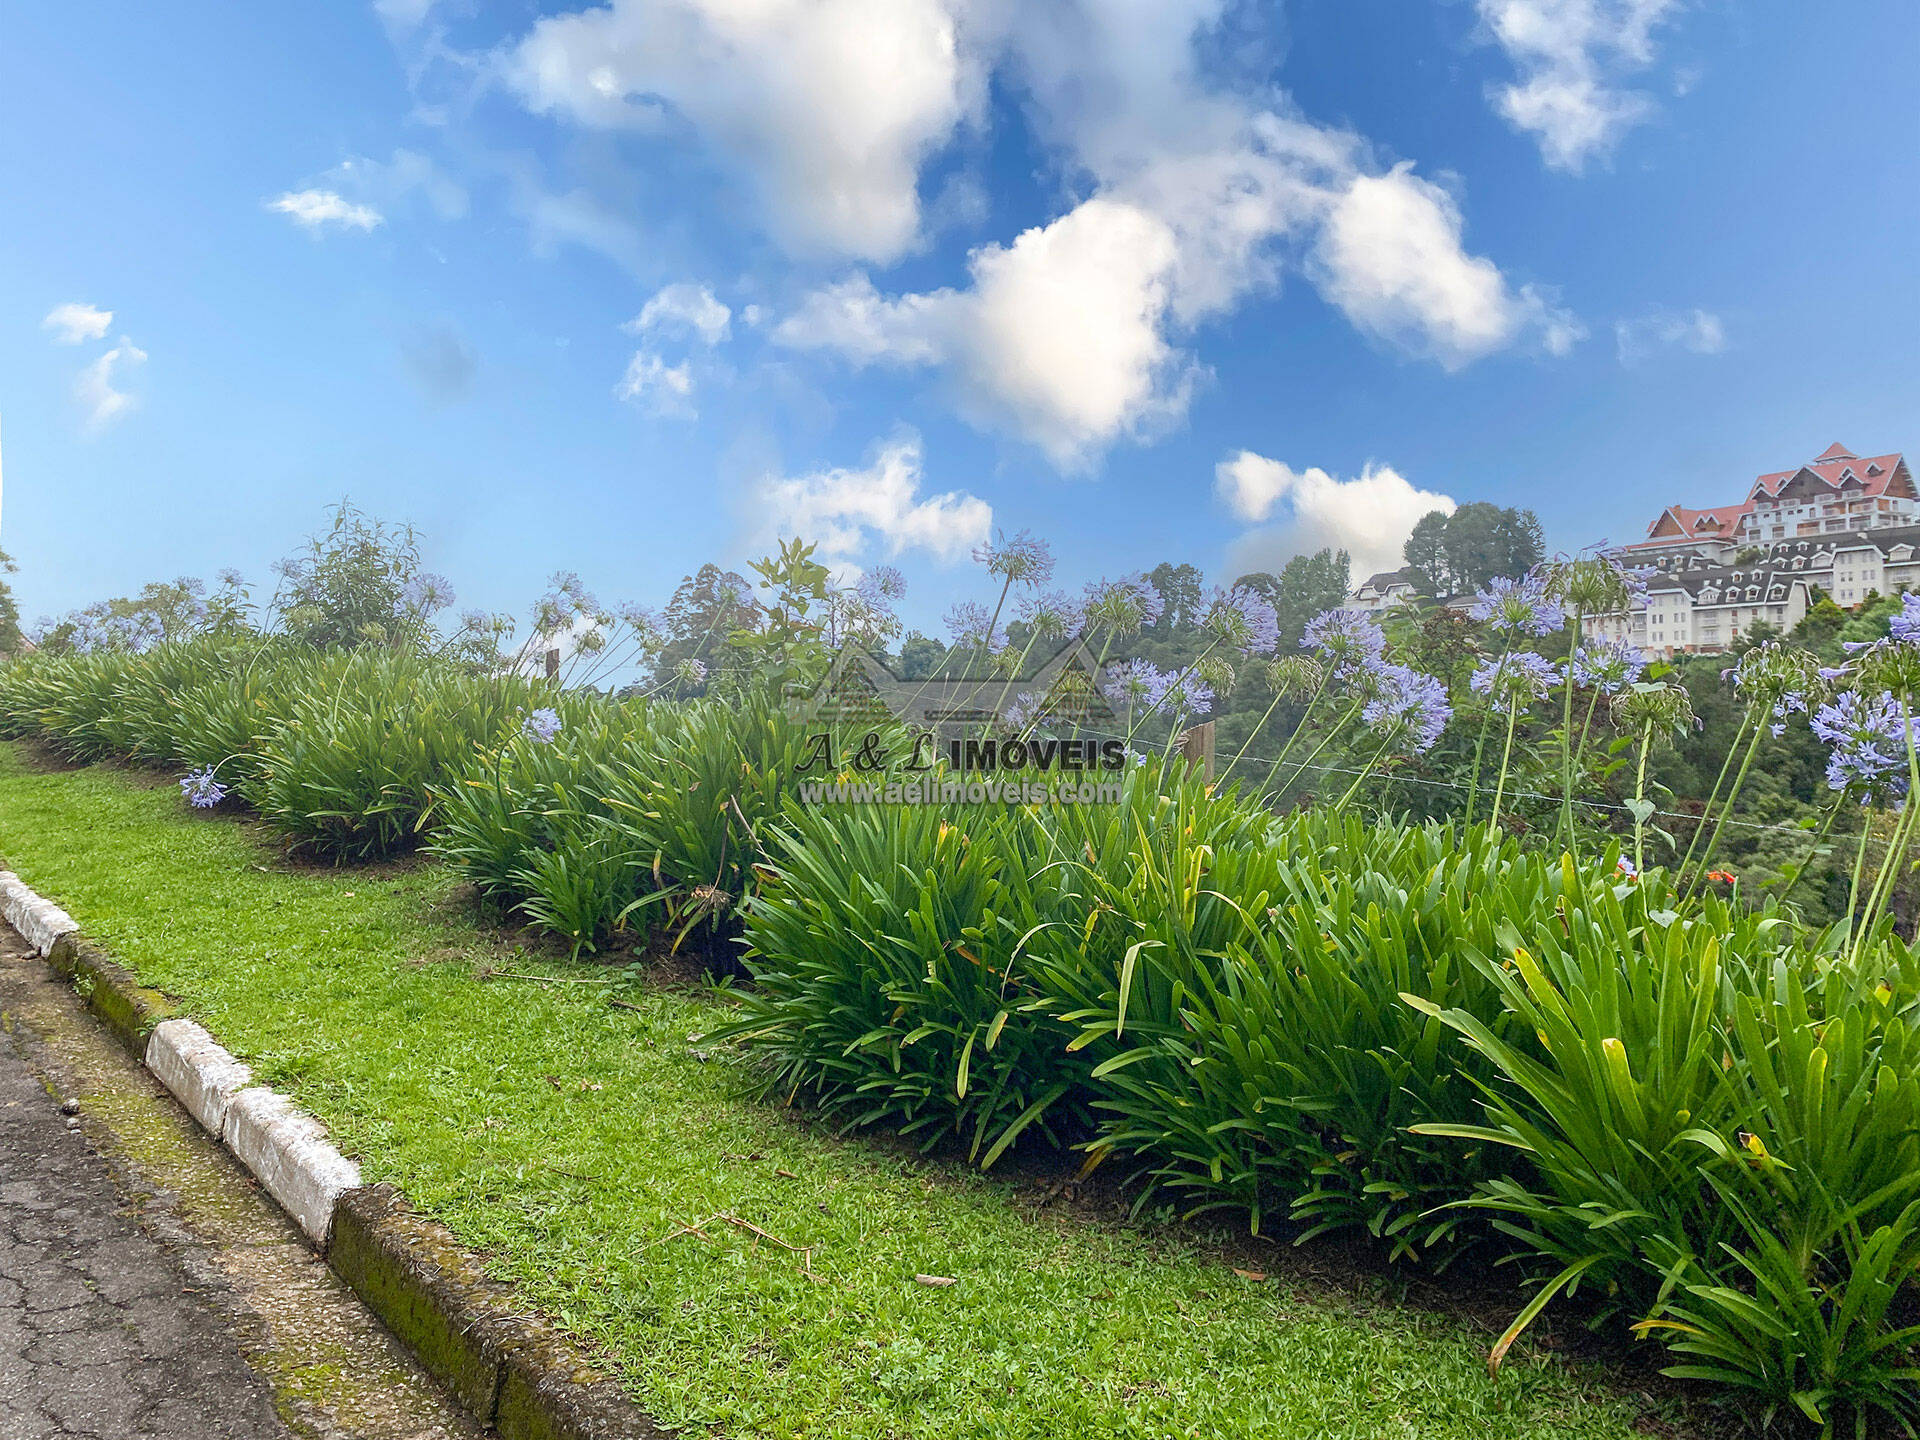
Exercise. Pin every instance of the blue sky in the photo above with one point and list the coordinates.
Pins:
(626, 288)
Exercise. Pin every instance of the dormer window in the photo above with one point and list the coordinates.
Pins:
(1776, 592)
(1753, 592)
(1799, 562)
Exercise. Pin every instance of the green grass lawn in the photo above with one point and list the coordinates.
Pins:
(569, 1140)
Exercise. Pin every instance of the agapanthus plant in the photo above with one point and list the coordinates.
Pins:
(1513, 608)
(1241, 622)
(201, 789)
(1121, 607)
(1608, 666)
(540, 726)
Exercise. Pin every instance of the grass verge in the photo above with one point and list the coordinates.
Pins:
(572, 1142)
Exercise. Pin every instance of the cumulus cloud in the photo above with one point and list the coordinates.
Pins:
(1369, 516)
(1391, 257)
(683, 310)
(657, 386)
(845, 512)
(73, 322)
(403, 15)
(1699, 332)
(829, 106)
(1572, 59)
(1077, 333)
(100, 401)
(1058, 339)
(1192, 191)
(317, 209)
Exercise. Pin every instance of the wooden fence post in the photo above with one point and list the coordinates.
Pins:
(553, 664)
(1196, 747)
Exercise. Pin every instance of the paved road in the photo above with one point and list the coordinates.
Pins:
(102, 1330)
(147, 1287)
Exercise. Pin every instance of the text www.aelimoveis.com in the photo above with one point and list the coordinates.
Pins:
(961, 792)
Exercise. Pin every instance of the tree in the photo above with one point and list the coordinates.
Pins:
(1453, 554)
(10, 636)
(706, 609)
(920, 656)
(1305, 586)
(361, 583)
(1426, 554)
(1180, 592)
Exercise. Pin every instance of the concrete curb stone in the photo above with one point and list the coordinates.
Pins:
(202, 1076)
(40, 922)
(288, 1151)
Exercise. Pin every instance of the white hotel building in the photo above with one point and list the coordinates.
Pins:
(1846, 524)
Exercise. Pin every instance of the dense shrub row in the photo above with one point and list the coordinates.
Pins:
(1704, 1114)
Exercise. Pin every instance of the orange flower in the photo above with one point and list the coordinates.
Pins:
(1723, 875)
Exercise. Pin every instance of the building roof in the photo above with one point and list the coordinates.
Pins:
(1381, 579)
(1837, 468)
(1695, 579)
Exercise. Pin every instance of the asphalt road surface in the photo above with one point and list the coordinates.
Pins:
(147, 1287)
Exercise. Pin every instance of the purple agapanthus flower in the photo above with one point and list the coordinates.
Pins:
(1125, 606)
(1905, 627)
(1348, 641)
(427, 593)
(1869, 740)
(1051, 614)
(1136, 685)
(1412, 706)
(1241, 620)
(1517, 678)
(202, 791)
(690, 671)
(1609, 666)
(968, 621)
(541, 726)
(881, 583)
(1189, 695)
(1021, 559)
(1518, 607)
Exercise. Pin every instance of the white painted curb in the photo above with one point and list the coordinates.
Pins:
(40, 922)
(202, 1076)
(286, 1149)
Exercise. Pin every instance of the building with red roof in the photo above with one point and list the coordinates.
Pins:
(1845, 524)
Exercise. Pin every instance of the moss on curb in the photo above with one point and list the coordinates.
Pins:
(129, 1009)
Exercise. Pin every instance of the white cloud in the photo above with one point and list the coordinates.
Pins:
(317, 209)
(1058, 339)
(657, 386)
(844, 512)
(403, 15)
(1572, 57)
(1074, 335)
(387, 183)
(73, 322)
(100, 403)
(1390, 256)
(1192, 190)
(1369, 516)
(1697, 331)
(830, 106)
(683, 309)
